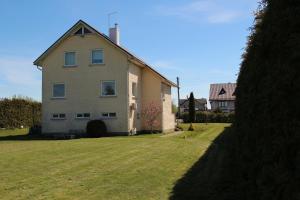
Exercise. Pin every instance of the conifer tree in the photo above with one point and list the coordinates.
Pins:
(192, 112)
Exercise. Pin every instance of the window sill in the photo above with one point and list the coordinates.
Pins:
(108, 96)
(58, 98)
(58, 119)
(96, 64)
(84, 118)
(69, 66)
(108, 118)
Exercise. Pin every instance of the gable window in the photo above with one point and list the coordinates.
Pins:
(70, 58)
(97, 56)
(58, 90)
(82, 31)
(109, 115)
(58, 116)
(108, 88)
(134, 89)
(83, 115)
(222, 91)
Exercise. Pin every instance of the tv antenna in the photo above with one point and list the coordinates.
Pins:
(109, 16)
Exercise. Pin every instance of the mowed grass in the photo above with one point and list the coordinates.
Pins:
(135, 167)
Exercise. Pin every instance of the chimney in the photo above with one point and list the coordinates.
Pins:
(114, 34)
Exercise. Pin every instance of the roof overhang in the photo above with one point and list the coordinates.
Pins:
(132, 57)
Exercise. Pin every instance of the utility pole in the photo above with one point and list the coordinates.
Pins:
(178, 109)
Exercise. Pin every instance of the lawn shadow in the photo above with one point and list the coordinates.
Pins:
(26, 137)
(208, 178)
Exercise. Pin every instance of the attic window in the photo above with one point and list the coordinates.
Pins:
(85, 30)
(222, 91)
(78, 32)
(82, 31)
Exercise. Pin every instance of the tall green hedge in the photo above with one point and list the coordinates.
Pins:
(17, 112)
(267, 127)
(209, 117)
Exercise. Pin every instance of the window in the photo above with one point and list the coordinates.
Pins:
(222, 91)
(97, 56)
(109, 115)
(82, 31)
(70, 59)
(83, 115)
(58, 90)
(59, 116)
(108, 88)
(223, 104)
(134, 89)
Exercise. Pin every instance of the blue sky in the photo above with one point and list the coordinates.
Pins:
(201, 41)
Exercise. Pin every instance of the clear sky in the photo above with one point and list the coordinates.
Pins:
(201, 41)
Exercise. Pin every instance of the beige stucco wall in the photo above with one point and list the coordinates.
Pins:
(152, 91)
(82, 85)
(168, 118)
(135, 75)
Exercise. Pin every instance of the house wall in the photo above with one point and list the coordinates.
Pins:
(134, 115)
(230, 106)
(82, 86)
(152, 91)
(168, 118)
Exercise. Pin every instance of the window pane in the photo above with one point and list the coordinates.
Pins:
(55, 115)
(97, 56)
(108, 88)
(104, 114)
(62, 115)
(58, 90)
(86, 115)
(112, 114)
(70, 58)
(79, 115)
(134, 89)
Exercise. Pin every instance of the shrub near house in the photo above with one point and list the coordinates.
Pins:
(210, 117)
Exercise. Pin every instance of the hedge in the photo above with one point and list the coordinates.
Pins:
(16, 112)
(210, 117)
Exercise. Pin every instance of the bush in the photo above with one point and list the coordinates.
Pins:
(35, 130)
(210, 117)
(96, 128)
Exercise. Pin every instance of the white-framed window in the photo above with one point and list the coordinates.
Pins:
(109, 115)
(58, 116)
(134, 89)
(83, 115)
(70, 59)
(58, 90)
(97, 56)
(222, 104)
(108, 88)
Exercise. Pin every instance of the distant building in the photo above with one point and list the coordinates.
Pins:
(200, 105)
(222, 96)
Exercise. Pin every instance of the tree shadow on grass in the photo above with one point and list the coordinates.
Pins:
(208, 178)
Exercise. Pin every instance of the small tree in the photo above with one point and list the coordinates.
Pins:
(192, 112)
(150, 114)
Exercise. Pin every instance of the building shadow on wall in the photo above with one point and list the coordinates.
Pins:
(211, 176)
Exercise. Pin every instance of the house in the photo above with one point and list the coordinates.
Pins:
(200, 105)
(222, 96)
(87, 75)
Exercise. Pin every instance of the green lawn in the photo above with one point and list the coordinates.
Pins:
(135, 167)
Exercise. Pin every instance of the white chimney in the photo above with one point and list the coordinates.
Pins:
(114, 34)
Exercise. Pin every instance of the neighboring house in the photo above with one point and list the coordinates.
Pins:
(222, 96)
(200, 105)
(87, 75)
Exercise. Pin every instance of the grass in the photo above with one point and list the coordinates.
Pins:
(12, 132)
(136, 167)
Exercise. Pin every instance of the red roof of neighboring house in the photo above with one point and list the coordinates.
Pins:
(222, 91)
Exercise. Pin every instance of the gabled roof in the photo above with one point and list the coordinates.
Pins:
(200, 101)
(222, 91)
(82, 23)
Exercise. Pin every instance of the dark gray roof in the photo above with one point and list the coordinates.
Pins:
(201, 101)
